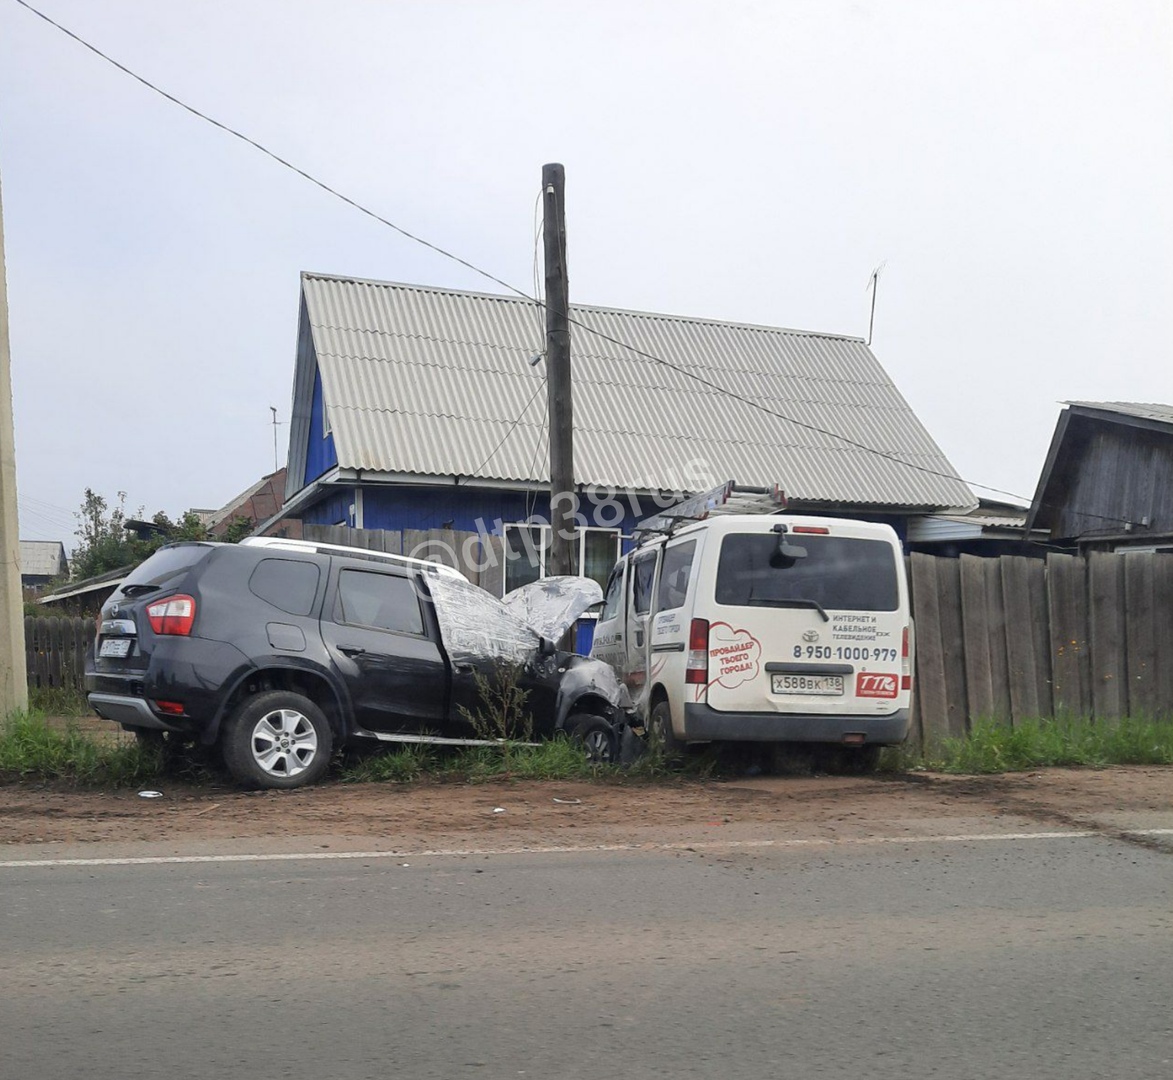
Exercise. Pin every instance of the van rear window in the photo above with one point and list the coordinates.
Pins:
(838, 572)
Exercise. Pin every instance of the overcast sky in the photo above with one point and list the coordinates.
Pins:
(1010, 164)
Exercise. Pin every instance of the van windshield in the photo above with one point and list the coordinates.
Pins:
(838, 572)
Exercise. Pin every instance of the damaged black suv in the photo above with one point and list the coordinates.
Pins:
(281, 651)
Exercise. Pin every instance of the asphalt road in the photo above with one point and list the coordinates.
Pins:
(1045, 957)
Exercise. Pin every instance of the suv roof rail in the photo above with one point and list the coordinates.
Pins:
(282, 543)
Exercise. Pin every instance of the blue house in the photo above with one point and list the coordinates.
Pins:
(424, 408)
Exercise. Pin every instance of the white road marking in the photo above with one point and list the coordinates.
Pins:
(701, 845)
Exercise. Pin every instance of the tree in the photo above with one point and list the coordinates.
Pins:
(105, 544)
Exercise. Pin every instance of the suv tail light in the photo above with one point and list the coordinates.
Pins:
(172, 615)
(905, 662)
(697, 668)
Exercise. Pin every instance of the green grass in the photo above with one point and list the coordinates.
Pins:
(31, 750)
(58, 701)
(996, 747)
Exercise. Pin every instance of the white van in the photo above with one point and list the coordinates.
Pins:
(765, 628)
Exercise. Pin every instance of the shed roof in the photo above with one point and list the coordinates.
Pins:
(431, 382)
(1140, 410)
(42, 558)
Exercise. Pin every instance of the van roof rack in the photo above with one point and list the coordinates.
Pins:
(727, 498)
(283, 543)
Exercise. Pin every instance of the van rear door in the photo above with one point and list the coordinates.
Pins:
(808, 619)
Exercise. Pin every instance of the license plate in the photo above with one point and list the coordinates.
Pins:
(117, 647)
(827, 685)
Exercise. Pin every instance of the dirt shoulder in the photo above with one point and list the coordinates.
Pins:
(430, 816)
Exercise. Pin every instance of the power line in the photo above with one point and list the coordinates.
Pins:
(269, 153)
(512, 427)
(890, 456)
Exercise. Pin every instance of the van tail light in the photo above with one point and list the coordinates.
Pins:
(697, 668)
(905, 662)
(172, 615)
(812, 530)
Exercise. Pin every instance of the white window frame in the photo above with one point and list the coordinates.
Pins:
(546, 535)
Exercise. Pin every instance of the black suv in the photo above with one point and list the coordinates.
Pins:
(280, 651)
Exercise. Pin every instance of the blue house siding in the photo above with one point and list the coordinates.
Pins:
(320, 455)
(484, 510)
(332, 510)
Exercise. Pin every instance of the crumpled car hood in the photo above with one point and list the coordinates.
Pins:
(476, 626)
(551, 606)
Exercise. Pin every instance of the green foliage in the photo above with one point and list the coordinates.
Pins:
(31, 750)
(993, 747)
(405, 763)
(58, 701)
(105, 544)
(238, 529)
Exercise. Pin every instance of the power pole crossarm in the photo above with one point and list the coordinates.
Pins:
(564, 537)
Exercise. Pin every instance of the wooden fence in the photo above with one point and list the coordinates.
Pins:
(55, 650)
(1014, 638)
(1005, 639)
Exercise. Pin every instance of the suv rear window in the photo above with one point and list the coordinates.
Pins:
(838, 572)
(165, 564)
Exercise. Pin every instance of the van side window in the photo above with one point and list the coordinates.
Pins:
(674, 575)
(613, 594)
(643, 574)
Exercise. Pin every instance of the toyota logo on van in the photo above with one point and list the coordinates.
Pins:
(810, 636)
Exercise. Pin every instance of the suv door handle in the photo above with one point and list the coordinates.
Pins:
(464, 669)
(351, 650)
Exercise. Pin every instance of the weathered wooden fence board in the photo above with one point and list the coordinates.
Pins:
(55, 650)
(1141, 643)
(1163, 606)
(931, 686)
(1106, 616)
(1067, 614)
(978, 639)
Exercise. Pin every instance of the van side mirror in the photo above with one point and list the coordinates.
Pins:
(547, 647)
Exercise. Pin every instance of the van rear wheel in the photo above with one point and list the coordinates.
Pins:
(661, 735)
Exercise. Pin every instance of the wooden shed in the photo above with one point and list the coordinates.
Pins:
(1107, 484)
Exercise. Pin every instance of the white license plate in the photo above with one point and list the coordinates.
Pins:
(117, 647)
(827, 685)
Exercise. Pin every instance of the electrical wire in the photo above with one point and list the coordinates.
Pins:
(512, 428)
(269, 153)
(700, 379)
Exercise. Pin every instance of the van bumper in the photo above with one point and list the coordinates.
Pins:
(702, 723)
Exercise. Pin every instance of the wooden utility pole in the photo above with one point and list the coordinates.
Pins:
(14, 689)
(562, 501)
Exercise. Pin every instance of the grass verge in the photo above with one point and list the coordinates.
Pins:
(57, 701)
(993, 747)
(31, 750)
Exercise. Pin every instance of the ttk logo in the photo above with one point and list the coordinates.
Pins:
(874, 684)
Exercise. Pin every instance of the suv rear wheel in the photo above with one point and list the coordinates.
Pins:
(278, 739)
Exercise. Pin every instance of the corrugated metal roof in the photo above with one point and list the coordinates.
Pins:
(1163, 414)
(42, 558)
(428, 381)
